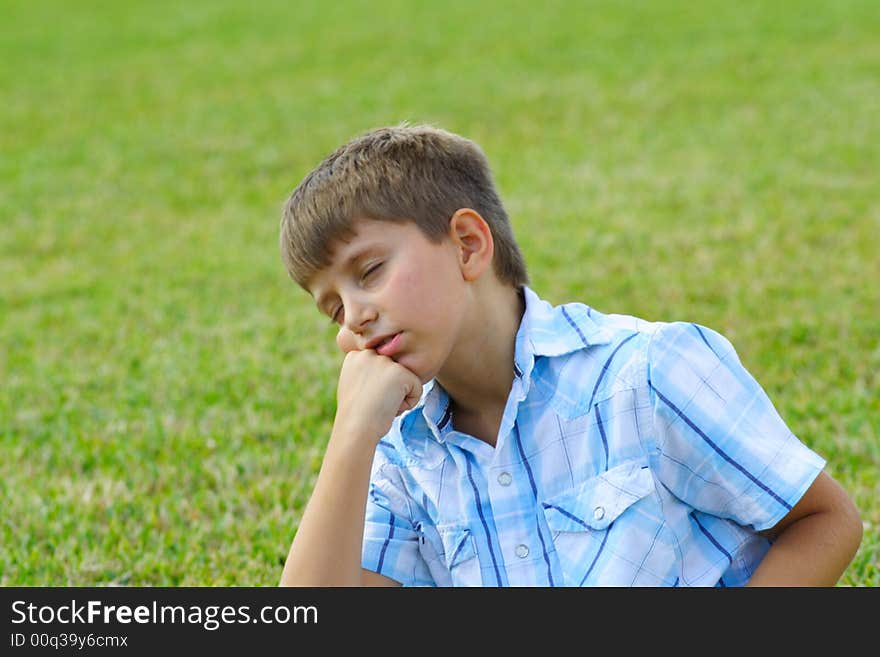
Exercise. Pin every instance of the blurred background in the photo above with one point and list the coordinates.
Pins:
(166, 391)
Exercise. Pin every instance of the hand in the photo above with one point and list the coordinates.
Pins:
(372, 391)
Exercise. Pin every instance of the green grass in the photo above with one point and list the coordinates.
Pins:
(167, 391)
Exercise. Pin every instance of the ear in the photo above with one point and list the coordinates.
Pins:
(472, 238)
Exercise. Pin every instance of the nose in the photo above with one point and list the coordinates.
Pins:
(357, 316)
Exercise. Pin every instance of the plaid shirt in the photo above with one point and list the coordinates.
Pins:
(630, 453)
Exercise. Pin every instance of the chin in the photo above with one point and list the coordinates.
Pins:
(423, 373)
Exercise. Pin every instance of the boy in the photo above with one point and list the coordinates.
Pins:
(485, 437)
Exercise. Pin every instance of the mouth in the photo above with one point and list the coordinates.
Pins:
(388, 345)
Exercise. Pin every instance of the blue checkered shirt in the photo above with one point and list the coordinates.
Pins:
(630, 453)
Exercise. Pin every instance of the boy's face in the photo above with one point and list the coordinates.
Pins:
(390, 281)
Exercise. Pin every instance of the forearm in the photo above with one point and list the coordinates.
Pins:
(814, 551)
(326, 550)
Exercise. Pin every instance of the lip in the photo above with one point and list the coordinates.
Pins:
(374, 342)
(389, 348)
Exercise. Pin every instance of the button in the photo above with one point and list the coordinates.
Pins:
(598, 513)
(504, 479)
(522, 551)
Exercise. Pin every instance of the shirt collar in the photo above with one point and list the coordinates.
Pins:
(545, 330)
(548, 330)
(430, 417)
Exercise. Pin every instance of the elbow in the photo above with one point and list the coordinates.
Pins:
(855, 528)
(847, 528)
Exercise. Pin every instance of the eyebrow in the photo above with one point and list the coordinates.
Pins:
(354, 257)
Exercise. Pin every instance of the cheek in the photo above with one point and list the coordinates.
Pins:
(426, 277)
(407, 289)
(414, 291)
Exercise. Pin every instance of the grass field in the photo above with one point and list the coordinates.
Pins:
(166, 391)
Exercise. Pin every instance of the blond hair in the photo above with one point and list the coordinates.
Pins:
(404, 173)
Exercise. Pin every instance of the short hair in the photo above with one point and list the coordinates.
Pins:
(404, 173)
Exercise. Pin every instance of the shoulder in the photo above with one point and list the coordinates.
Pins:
(661, 343)
(627, 351)
(675, 347)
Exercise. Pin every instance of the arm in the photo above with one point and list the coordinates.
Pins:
(815, 542)
(326, 550)
(715, 422)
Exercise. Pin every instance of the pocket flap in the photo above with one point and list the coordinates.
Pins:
(597, 502)
(458, 545)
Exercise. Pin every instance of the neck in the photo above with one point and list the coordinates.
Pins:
(479, 373)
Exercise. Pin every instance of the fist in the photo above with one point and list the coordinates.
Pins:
(372, 391)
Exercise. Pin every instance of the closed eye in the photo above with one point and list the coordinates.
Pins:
(372, 270)
(337, 315)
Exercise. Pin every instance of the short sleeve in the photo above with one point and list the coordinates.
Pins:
(391, 538)
(723, 448)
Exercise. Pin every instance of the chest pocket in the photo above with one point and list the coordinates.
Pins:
(581, 518)
(450, 554)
